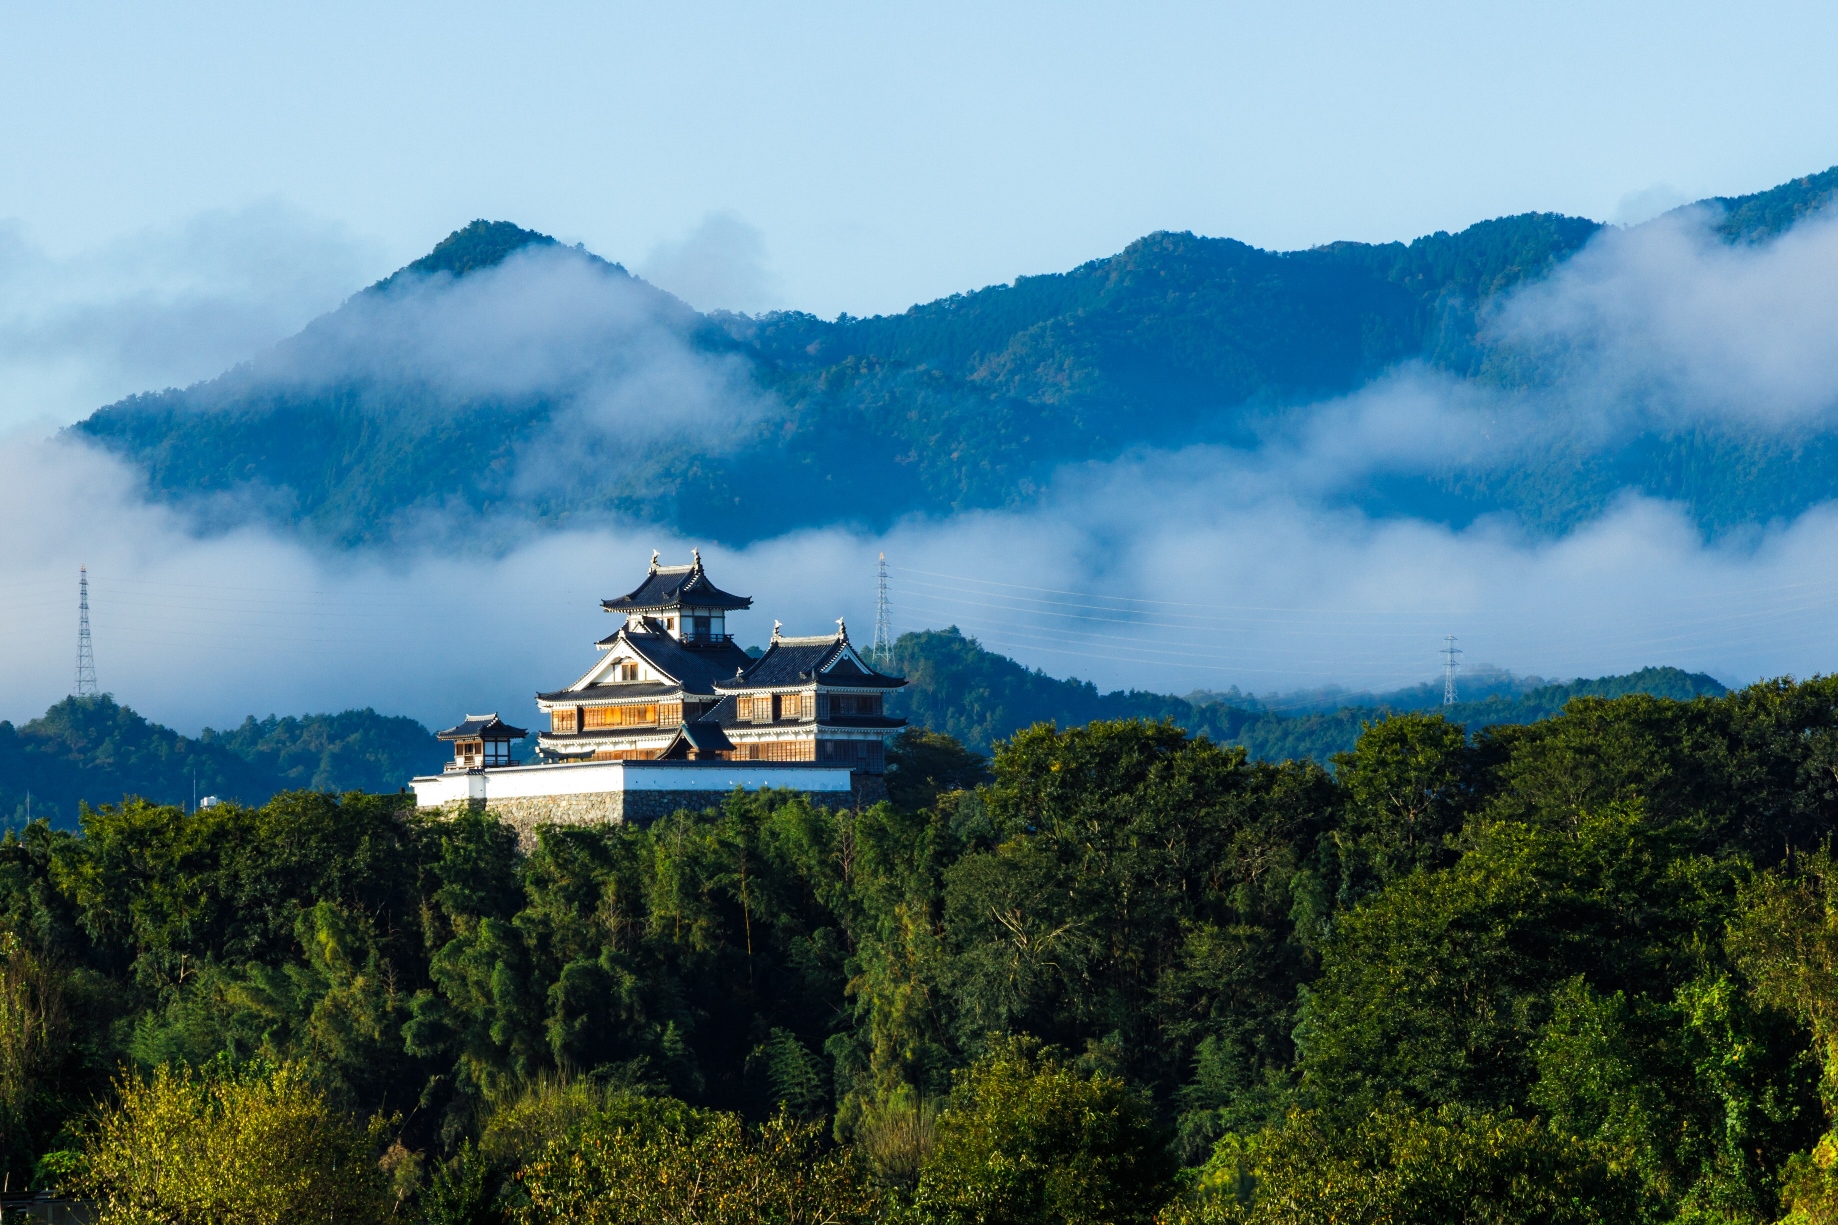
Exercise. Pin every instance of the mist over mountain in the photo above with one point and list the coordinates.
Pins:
(507, 376)
(1584, 450)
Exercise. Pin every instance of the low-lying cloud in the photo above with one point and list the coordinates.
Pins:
(1172, 570)
(1667, 326)
(1162, 572)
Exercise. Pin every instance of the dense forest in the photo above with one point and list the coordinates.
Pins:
(972, 401)
(1572, 970)
(96, 750)
(956, 686)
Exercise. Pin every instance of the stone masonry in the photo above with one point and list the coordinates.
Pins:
(606, 807)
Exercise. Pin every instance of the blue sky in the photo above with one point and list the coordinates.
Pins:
(183, 185)
(862, 157)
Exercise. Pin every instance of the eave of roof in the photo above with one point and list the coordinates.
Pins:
(479, 727)
(614, 691)
(790, 662)
(676, 587)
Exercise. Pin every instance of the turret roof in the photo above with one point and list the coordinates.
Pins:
(676, 587)
(828, 659)
(483, 727)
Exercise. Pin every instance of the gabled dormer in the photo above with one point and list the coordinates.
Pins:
(828, 660)
(624, 663)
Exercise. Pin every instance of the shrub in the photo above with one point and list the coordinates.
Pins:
(1028, 1139)
(260, 1146)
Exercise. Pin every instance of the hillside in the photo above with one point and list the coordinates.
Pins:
(398, 406)
(95, 750)
(1577, 973)
(957, 687)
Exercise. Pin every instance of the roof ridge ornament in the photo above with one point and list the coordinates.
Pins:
(654, 561)
(775, 630)
(695, 559)
(842, 631)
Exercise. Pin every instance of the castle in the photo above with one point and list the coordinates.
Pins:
(673, 714)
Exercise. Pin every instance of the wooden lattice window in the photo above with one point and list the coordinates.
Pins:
(637, 714)
(791, 706)
(562, 722)
(855, 704)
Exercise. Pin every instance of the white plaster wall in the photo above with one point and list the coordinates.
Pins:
(593, 777)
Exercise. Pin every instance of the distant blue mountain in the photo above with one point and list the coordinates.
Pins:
(969, 402)
(957, 687)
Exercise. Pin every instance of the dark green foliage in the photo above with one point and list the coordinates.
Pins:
(956, 687)
(479, 245)
(1029, 1140)
(358, 750)
(94, 750)
(1764, 214)
(922, 765)
(1578, 970)
(1409, 1167)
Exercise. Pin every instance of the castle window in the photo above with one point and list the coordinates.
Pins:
(857, 704)
(628, 672)
(562, 721)
(633, 715)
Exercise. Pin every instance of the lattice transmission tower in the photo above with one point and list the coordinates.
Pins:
(882, 652)
(86, 655)
(1448, 653)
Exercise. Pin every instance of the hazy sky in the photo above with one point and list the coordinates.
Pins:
(183, 185)
(862, 157)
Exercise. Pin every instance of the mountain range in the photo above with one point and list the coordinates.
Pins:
(94, 750)
(506, 378)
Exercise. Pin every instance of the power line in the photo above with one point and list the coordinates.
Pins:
(86, 656)
(882, 654)
(1448, 654)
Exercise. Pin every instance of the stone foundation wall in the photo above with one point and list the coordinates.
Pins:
(647, 806)
(524, 815)
(612, 807)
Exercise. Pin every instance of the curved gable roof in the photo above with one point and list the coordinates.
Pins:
(668, 587)
(798, 661)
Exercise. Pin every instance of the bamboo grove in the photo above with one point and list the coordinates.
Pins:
(1579, 970)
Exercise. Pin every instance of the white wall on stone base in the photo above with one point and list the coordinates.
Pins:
(598, 777)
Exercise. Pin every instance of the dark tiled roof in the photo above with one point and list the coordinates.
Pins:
(698, 668)
(674, 587)
(483, 727)
(726, 713)
(695, 668)
(612, 691)
(701, 736)
(799, 661)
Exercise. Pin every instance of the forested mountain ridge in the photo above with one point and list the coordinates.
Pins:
(96, 751)
(979, 697)
(972, 401)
